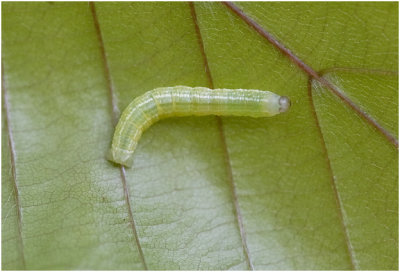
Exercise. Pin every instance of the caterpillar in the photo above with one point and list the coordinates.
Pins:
(165, 102)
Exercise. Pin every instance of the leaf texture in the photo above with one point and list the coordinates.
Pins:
(316, 188)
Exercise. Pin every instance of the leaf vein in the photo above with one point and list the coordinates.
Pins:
(338, 202)
(310, 71)
(13, 168)
(227, 160)
(115, 113)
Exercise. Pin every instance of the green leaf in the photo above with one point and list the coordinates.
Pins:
(315, 188)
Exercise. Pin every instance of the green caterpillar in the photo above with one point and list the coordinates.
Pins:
(165, 102)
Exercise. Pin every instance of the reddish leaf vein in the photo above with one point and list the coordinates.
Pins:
(311, 72)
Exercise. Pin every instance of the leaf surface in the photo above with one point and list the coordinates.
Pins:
(315, 188)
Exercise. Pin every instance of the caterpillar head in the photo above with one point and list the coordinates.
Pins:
(284, 103)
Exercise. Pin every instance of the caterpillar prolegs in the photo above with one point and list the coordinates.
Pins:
(165, 102)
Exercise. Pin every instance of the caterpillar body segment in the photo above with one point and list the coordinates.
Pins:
(165, 102)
